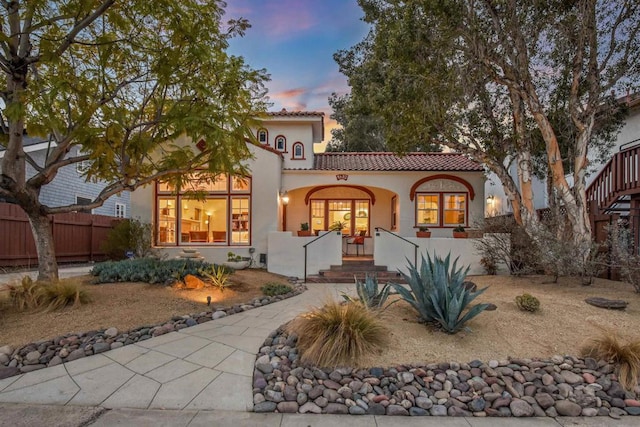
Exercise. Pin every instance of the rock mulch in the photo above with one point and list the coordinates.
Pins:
(560, 386)
(70, 347)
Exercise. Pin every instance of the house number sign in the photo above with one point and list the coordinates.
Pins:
(342, 177)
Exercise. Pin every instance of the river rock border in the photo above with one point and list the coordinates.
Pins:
(70, 347)
(560, 386)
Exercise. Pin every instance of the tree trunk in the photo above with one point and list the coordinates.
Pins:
(43, 235)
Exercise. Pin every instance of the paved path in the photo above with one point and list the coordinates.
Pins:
(204, 367)
(198, 376)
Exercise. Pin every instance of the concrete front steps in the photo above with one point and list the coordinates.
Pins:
(359, 268)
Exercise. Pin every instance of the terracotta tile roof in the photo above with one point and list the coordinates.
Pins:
(285, 113)
(393, 162)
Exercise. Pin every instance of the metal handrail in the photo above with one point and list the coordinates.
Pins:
(305, 251)
(415, 246)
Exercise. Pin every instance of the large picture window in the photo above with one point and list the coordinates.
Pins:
(220, 215)
(441, 209)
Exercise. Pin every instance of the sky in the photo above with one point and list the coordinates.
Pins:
(294, 40)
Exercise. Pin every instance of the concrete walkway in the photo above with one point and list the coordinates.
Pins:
(200, 375)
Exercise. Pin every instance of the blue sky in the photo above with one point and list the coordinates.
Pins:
(295, 41)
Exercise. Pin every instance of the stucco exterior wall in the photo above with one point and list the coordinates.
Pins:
(286, 253)
(293, 131)
(265, 168)
(384, 185)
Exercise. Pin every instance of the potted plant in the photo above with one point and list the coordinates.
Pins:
(423, 232)
(304, 230)
(338, 226)
(459, 233)
(237, 262)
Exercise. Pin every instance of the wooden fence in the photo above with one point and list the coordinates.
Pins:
(77, 237)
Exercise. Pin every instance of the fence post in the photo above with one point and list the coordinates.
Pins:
(91, 239)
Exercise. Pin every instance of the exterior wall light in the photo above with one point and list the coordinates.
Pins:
(284, 196)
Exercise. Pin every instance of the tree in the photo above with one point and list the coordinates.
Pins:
(358, 131)
(481, 76)
(117, 81)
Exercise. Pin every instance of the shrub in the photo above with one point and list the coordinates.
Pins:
(150, 270)
(438, 294)
(26, 295)
(337, 334)
(368, 294)
(64, 293)
(219, 277)
(527, 302)
(272, 289)
(627, 356)
(30, 295)
(622, 256)
(128, 235)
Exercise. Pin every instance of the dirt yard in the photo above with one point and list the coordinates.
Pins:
(561, 326)
(127, 305)
(564, 322)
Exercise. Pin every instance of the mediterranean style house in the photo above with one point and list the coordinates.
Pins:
(352, 204)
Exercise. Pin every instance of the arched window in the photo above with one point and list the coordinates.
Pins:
(281, 143)
(263, 136)
(298, 151)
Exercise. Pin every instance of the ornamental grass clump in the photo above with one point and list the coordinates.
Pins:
(30, 295)
(63, 294)
(338, 334)
(527, 302)
(608, 347)
(369, 294)
(437, 292)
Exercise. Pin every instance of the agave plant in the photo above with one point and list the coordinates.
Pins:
(368, 294)
(437, 293)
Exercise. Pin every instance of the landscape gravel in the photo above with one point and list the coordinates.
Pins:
(561, 385)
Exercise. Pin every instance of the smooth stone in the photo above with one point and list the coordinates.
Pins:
(397, 410)
(589, 412)
(310, 407)
(218, 315)
(520, 408)
(632, 410)
(567, 408)
(376, 409)
(288, 407)
(265, 407)
(477, 404)
(545, 400)
(111, 332)
(356, 410)
(417, 412)
(336, 408)
(571, 378)
(438, 411)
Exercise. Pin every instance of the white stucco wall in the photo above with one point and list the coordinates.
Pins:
(384, 185)
(266, 185)
(286, 253)
(294, 129)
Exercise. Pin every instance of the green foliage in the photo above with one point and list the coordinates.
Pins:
(609, 347)
(128, 235)
(304, 226)
(338, 334)
(219, 277)
(126, 88)
(459, 229)
(231, 257)
(527, 302)
(149, 270)
(272, 289)
(368, 293)
(30, 295)
(337, 226)
(438, 295)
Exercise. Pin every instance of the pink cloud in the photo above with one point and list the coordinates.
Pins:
(291, 93)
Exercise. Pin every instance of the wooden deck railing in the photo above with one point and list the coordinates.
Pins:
(621, 176)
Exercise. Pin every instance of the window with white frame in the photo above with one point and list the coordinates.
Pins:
(83, 166)
(121, 210)
(281, 143)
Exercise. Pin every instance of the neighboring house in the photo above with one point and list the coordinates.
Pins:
(69, 186)
(380, 197)
(628, 140)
